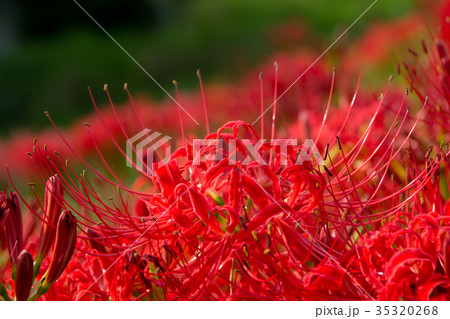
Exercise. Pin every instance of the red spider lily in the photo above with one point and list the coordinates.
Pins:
(428, 74)
(223, 230)
(369, 222)
(409, 267)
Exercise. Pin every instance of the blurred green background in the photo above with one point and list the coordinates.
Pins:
(50, 51)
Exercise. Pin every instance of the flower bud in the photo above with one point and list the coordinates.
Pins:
(66, 237)
(12, 217)
(24, 275)
(52, 211)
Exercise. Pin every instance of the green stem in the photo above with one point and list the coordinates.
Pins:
(36, 268)
(37, 291)
(4, 294)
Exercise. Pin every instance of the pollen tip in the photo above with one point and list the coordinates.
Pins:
(269, 228)
(428, 152)
(175, 83)
(86, 124)
(260, 76)
(105, 87)
(424, 46)
(414, 53)
(275, 64)
(326, 151)
(28, 153)
(339, 142)
(198, 72)
(31, 184)
(125, 86)
(391, 77)
(406, 90)
(46, 113)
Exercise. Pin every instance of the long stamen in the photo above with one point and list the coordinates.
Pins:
(204, 100)
(328, 106)
(261, 90)
(274, 114)
(180, 117)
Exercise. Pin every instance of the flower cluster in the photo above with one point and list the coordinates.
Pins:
(369, 221)
(58, 234)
